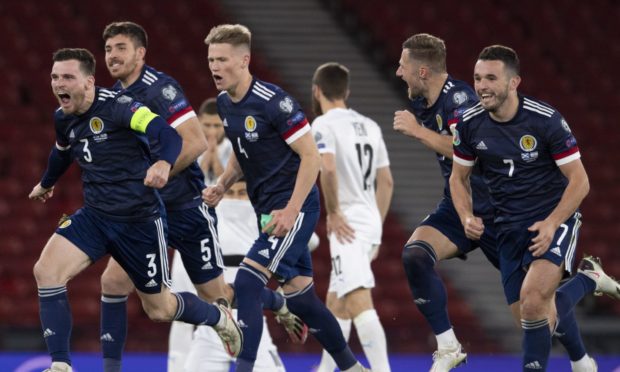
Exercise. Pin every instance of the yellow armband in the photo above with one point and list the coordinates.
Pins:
(141, 119)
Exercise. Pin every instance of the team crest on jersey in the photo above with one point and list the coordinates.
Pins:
(439, 121)
(250, 127)
(459, 98)
(456, 137)
(169, 92)
(96, 125)
(124, 99)
(565, 126)
(528, 143)
(286, 105)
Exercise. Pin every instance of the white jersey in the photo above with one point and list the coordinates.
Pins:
(357, 144)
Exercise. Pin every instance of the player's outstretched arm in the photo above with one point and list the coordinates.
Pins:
(41, 193)
(58, 162)
(406, 123)
(194, 144)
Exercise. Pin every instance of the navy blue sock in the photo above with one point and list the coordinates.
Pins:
(248, 286)
(425, 284)
(193, 310)
(272, 300)
(573, 291)
(567, 330)
(536, 344)
(322, 324)
(55, 314)
(113, 329)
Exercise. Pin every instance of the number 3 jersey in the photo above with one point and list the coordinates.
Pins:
(519, 158)
(261, 127)
(357, 144)
(113, 157)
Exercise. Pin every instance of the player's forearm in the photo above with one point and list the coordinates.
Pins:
(439, 143)
(573, 195)
(460, 190)
(329, 188)
(385, 189)
(306, 178)
(217, 166)
(189, 153)
(58, 162)
(231, 174)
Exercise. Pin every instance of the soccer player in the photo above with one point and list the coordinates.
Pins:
(353, 157)
(238, 229)
(437, 100)
(191, 223)
(275, 151)
(531, 163)
(122, 213)
(214, 160)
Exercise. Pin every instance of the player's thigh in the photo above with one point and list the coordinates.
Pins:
(336, 305)
(115, 280)
(60, 261)
(443, 247)
(541, 281)
(193, 233)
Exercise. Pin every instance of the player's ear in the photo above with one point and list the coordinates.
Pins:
(514, 82)
(141, 52)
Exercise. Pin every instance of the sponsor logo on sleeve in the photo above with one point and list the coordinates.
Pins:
(295, 119)
(286, 105)
(124, 99)
(565, 126)
(169, 92)
(178, 106)
(459, 98)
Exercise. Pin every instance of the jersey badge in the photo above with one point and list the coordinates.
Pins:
(96, 125)
(439, 121)
(459, 98)
(456, 138)
(169, 92)
(124, 99)
(528, 143)
(565, 125)
(250, 128)
(286, 105)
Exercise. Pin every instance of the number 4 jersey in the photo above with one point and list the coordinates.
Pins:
(357, 144)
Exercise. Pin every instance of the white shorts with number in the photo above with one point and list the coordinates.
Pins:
(351, 265)
(207, 353)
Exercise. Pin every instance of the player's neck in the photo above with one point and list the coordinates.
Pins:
(133, 77)
(89, 98)
(507, 110)
(327, 105)
(239, 91)
(435, 85)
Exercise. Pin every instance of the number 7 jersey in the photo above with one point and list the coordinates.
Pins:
(357, 144)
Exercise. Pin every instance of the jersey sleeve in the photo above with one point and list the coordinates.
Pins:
(169, 102)
(463, 153)
(287, 117)
(562, 143)
(324, 138)
(458, 101)
(62, 142)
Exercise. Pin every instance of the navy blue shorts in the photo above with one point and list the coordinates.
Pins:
(515, 258)
(139, 247)
(289, 256)
(193, 232)
(446, 220)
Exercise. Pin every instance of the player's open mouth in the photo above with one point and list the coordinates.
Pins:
(64, 98)
(217, 78)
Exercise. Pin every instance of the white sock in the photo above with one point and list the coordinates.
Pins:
(357, 367)
(327, 362)
(372, 337)
(447, 340)
(582, 365)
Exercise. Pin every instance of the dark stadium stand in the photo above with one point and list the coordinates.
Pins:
(556, 66)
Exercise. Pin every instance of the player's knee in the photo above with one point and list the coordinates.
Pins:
(418, 254)
(46, 275)
(533, 304)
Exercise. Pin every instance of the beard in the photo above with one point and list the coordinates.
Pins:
(500, 98)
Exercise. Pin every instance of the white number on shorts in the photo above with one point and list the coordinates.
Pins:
(565, 230)
(274, 242)
(152, 267)
(88, 156)
(204, 248)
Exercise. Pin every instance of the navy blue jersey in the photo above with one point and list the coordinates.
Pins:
(113, 158)
(519, 158)
(261, 126)
(455, 97)
(164, 96)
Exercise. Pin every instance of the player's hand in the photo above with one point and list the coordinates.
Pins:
(40, 193)
(157, 174)
(474, 227)
(546, 232)
(406, 123)
(282, 221)
(212, 195)
(337, 224)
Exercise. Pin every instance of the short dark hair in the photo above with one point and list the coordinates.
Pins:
(333, 80)
(501, 53)
(234, 35)
(85, 57)
(209, 107)
(133, 30)
(428, 49)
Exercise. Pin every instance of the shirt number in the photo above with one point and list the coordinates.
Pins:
(241, 149)
(512, 166)
(88, 156)
(364, 157)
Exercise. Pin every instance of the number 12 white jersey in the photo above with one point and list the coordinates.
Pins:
(357, 144)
